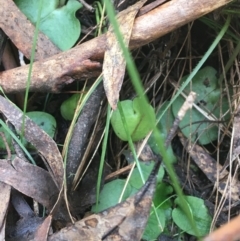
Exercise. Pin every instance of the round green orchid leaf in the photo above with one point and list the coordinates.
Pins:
(138, 122)
(58, 23)
(110, 195)
(44, 120)
(194, 125)
(62, 26)
(199, 213)
(68, 107)
(31, 7)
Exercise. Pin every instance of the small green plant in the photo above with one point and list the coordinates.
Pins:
(163, 201)
(138, 123)
(194, 124)
(58, 22)
(111, 192)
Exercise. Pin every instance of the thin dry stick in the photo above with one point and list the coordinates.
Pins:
(182, 112)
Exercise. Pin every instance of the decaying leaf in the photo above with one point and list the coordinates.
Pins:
(44, 144)
(210, 167)
(31, 180)
(4, 197)
(43, 230)
(125, 221)
(114, 63)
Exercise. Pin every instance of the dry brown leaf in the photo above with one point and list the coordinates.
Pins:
(114, 63)
(125, 221)
(210, 167)
(43, 143)
(4, 197)
(42, 232)
(31, 180)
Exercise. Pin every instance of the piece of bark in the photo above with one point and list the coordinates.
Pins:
(81, 130)
(230, 231)
(49, 76)
(168, 17)
(53, 73)
(21, 31)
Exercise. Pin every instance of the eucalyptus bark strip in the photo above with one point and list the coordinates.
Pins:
(81, 131)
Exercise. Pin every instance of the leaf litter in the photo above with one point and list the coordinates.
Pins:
(91, 223)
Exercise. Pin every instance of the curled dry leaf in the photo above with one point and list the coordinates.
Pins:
(43, 143)
(114, 63)
(33, 181)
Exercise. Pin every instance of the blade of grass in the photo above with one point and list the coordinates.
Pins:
(104, 148)
(31, 64)
(18, 141)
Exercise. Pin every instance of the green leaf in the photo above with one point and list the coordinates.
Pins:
(153, 230)
(162, 192)
(110, 195)
(199, 214)
(68, 107)
(58, 23)
(156, 149)
(139, 124)
(7, 137)
(30, 8)
(44, 120)
(62, 26)
(194, 124)
(135, 179)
